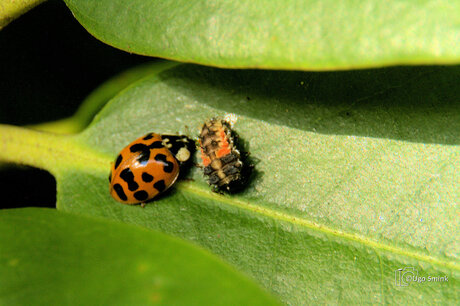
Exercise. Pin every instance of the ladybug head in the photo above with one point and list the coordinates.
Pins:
(180, 146)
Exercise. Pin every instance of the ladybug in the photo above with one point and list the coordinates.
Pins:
(222, 161)
(148, 166)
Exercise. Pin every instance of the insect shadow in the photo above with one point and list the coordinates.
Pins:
(249, 172)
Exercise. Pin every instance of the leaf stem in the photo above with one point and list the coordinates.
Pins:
(46, 150)
(10, 10)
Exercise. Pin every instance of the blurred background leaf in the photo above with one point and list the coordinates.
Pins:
(50, 257)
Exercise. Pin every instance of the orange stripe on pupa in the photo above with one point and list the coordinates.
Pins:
(206, 160)
(224, 150)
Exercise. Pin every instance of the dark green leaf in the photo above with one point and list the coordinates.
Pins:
(53, 258)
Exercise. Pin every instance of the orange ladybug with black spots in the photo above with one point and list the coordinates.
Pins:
(148, 166)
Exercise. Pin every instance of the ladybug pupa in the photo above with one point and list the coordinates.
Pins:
(223, 164)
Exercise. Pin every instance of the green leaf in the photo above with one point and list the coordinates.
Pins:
(297, 34)
(53, 258)
(356, 176)
(10, 9)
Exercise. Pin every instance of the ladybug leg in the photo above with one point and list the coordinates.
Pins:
(143, 204)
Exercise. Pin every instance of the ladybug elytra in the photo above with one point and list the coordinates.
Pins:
(148, 166)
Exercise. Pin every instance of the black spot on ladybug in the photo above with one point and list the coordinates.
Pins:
(156, 145)
(144, 154)
(138, 147)
(168, 167)
(160, 186)
(127, 176)
(147, 177)
(118, 161)
(144, 157)
(141, 195)
(148, 136)
(120, 192)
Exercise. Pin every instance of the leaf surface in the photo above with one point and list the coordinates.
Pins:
(50, 257)
(297, 35)
(349, 185)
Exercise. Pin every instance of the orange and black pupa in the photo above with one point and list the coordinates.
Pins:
(223, 163)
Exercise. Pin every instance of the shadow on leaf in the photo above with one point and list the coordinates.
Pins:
(416, 104)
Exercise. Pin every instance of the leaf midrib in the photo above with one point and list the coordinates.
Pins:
(98, 162)
(245, 205)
